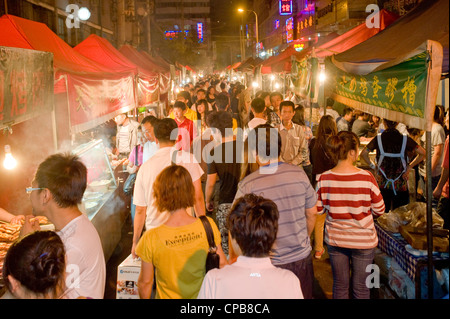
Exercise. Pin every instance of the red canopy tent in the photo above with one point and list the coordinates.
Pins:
(103, 52)
(282, 61)
(164, 74)
(355, 36)
(149, 87)
(328, 45)
(95, 93)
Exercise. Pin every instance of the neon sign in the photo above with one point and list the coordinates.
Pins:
(298, 47)
(289, 30)
(170, 35)
(200, 32)
(285, 7)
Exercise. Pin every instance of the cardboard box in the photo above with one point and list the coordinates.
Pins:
(127, 277)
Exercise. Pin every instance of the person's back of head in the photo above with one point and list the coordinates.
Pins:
(299, 116)
(389, 124)
(34, 266)
(223, 86)
(173, 189)
(166, 131)
(65, 176)
(222, 102)
(253, 224)
(327, 127)
(338, 146)
(329, 102)
(258, 105)
(267, 143)
(222, 121)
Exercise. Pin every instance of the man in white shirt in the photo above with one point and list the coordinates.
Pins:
(258, 107)
(294, 147)
(166, 132)
(253, 223)
(126, 137)
(57, 189)
(329, 109)
(150, 147)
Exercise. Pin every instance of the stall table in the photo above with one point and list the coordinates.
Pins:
(394, 245)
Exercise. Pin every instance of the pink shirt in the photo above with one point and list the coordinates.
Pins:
(132, 156)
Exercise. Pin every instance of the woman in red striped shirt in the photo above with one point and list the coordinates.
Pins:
(349, 196)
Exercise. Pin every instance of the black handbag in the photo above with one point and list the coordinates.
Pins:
(212, 259)
(128, 186)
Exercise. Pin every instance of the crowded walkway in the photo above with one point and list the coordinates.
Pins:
(291, 205)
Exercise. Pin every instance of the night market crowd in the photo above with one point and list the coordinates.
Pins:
(276, 191)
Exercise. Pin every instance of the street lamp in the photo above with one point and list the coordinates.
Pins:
(256, 22)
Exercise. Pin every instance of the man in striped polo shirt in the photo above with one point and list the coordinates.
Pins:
(289, 187)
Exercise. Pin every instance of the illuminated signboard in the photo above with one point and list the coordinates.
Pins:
(200, 32)
(285, 7)
(289, 30)
(170, 35)
(277, 24)
(299, 46)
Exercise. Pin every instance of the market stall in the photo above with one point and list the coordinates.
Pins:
(313, 58)
(85, 94)
(148, 86)
(395, 76)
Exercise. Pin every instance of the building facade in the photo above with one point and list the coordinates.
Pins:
(186, 20)
(118, 21)
(284, 21)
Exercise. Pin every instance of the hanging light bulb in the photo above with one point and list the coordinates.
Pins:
(9, 162)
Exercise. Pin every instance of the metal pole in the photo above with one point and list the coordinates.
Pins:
(429, 194)
(257, 33)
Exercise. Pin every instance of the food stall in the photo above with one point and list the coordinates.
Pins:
(84, 94)
(395, 76)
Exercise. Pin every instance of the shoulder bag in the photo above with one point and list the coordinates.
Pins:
(212, 259)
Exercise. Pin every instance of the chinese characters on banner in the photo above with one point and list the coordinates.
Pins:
(285, 7)
(26, 84)
(94, 101)
(401, 88)
(289, 30)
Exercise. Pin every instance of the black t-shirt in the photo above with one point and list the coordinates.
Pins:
(392, 141)
(225, 161)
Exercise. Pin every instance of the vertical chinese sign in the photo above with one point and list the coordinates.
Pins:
(398, 92)
(289, 30)
(200, 32)
(285, 7)
(26, 84)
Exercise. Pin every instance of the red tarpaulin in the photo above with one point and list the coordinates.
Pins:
(103, 52)
(95, 93)
(282, 61)
(148, 87)
(328, 45)
(164, 74)
(355, 36)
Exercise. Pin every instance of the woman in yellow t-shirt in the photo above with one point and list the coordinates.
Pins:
(177, 249)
